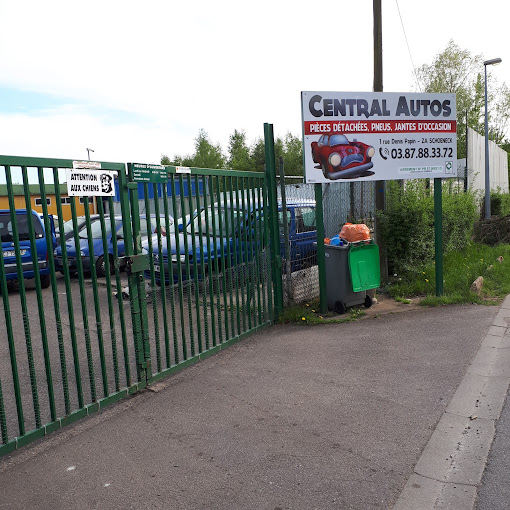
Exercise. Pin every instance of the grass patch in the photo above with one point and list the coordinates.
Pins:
(460, 269)
(309, 315)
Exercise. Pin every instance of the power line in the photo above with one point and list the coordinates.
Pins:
(408, 48)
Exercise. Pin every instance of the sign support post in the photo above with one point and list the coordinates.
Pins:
(321, 261)
(438, 234)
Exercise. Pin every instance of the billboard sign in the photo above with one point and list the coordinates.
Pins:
(378, 136)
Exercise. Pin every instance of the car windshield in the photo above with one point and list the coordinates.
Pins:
(222, 220)
(68, 226)
(22, 224)
(338, 140)
(95, 229)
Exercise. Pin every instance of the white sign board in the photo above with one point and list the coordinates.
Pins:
(378, 136)
(89, 183)
(87, 164)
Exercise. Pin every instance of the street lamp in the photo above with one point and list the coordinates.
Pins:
(92, 150)
(491, 62)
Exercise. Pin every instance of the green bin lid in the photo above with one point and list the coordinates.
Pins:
(364, 267)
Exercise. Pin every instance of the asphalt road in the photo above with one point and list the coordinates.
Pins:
(295, 417)
(189, 329)
(494, 493)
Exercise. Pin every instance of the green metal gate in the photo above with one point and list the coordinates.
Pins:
(208, 279)
(161, 297)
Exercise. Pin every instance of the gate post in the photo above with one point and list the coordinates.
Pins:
(321, 261)
(274, 231)
(129, 208)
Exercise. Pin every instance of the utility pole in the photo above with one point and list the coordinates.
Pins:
(378, 87)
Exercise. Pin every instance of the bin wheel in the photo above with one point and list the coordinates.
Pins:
(339, 307)
(368, 302)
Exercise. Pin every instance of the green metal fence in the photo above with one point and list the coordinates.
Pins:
(208, 279)
(83, 331)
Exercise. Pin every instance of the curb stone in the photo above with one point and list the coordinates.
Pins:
(453, 462)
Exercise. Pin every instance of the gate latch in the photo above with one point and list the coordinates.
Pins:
(136, 263)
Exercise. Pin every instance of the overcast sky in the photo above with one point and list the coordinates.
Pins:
(135, 80)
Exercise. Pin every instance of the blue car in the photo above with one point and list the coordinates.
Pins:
(238, 241)
(100, 259)
(8, 249)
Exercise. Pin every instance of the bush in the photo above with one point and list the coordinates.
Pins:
(407, 224)
(500, 203)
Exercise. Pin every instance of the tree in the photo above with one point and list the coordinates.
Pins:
(207, 155)
(293, 155)
(455, 70)
(258, 154)
(239, 152)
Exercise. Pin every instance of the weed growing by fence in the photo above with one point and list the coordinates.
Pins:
(408, 224)
(461, 268)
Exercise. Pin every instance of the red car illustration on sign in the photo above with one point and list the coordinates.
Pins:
(340, 159)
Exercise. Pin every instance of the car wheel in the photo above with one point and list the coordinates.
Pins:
(339, 307)
(325, 171)
(45, 281)
(101, 266)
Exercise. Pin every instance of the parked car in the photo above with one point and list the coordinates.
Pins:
(238, 242)
(340, 159)
(8, 247)
(68, 226)
(100, 259)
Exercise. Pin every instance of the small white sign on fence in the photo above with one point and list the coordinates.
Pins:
(90, 183)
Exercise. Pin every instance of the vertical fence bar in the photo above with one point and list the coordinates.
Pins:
(56, 304)
(246, 219)
(83, 298)
(186, 262)
(171, 280)
(194, 261)
(203, 275)
(285, 224)
(3, 422)
(257, 245)
(240, 258)
(178, 260)
(162, 269)
(12, 347)
(23, 299)
(118, 286)
(273, 219)
(269, 266)
(218, 259)
(152, 274)
(38, 292)
(109, 266)
(229, 225)
(65, 271)
(262, 251)
(225, 255)
(95, 293)
(235, 249)
(212, 254)
(241, 248)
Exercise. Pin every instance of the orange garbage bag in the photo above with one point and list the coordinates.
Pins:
(355, 232)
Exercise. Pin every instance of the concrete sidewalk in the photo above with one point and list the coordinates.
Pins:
(335, 416)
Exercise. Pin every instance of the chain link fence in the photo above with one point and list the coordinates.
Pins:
(342, 202)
